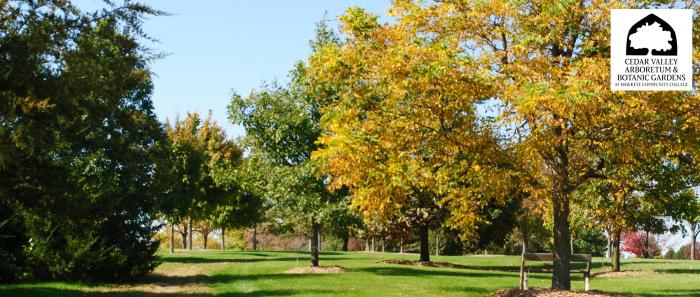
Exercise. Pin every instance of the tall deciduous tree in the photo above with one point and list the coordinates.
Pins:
(640, 195)
(547, 58)
(544, 61)
(404, 134)
(691, 216)
(244, 203)
(282, 127)
(206, 189)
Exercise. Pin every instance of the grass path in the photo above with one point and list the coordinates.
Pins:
(215, 273)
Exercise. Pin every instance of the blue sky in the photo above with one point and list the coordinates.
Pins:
(217, 46)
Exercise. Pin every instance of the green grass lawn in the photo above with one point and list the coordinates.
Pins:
(215, 273)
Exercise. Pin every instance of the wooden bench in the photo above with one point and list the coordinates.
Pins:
(541, 257)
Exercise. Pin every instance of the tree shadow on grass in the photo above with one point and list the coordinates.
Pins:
(169, 285)
(55, 292)
(680, 271)
(671, 293)
(470, 289)
(626, 267)
(200, 260)
(38, 292)
(410, 271)
(250, 253)
(209, 280)
(490, 268)
(307, 252)
(628, 262)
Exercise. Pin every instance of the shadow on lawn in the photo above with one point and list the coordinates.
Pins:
(209, 280)
(494, 268)
(169, 286)
(42, 292)
(307, 252)
(411, 271)
(671, 293)
(470, 289)
(679, 271)
(198, 260)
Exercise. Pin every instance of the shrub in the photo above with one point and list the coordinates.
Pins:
(635, 243)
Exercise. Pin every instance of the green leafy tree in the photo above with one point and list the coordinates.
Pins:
(81, 149)
(282, 128)
(245, 204)
(208, 188)
(690, 214)
(282, 134)
(342, 222)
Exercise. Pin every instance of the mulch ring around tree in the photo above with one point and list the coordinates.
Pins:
(449, 265)
(543, 292)
(317, 270)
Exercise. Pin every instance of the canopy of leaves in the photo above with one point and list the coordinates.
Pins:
(80, 147)
(282, 126)
(404, 134)
(405, 119)
(207, 183)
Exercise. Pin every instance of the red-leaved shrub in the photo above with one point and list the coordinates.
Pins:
(634, 243)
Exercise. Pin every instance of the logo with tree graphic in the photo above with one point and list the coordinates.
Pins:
(651, 35)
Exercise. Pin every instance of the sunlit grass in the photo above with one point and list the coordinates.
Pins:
(235, 273)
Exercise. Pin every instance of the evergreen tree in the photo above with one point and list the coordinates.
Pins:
(81, 147)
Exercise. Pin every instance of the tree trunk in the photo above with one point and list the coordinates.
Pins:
(223, 238)
(562, 239)
(367, 244)
(424, 244)
(608, 252)
(172, 238)
(254, 238)
(616, 251)
(645, 248)
(183, 234)
(437, 243)
(315, 230)
(190, 233)
(346, 241)
(401, 249)
(205, 238)
(693, 238)
(692, 248)
(383, 245)
(372, 247)
(523, 238)
(571, 244)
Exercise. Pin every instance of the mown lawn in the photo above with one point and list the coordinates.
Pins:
(215, 273)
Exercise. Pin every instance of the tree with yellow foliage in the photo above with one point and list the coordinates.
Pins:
(405, 118)
(550, 61)
(403, 132)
